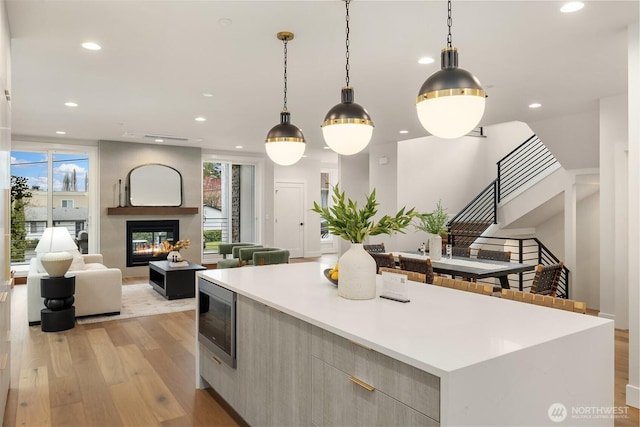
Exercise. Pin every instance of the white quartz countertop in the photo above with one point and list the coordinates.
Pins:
(440, 331)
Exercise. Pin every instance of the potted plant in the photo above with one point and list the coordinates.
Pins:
(435, 224)
(346, 220)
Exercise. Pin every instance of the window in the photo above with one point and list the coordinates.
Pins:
(56, 181)
(228, 204)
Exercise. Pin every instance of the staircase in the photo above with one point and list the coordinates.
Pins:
(474, 226)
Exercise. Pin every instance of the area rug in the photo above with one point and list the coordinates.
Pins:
(141, 300)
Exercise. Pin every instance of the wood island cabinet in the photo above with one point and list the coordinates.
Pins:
(292, 373)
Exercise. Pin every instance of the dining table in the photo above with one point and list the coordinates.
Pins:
(471, 268)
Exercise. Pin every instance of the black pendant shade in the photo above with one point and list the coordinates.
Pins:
(450, 79)
(347, 111)
(285, 131)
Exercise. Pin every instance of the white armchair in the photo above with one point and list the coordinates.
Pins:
(98, 288)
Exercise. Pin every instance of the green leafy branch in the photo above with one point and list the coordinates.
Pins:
(344, 219)
(434, 222)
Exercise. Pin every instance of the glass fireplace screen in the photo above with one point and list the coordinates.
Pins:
(145, 240)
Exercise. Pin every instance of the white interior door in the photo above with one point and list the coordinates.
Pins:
(289, 217)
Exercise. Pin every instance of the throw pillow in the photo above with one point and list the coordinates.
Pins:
(78, 261)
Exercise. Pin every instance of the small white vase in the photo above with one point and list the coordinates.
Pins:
(357, 274)
(435, 247)
(173, 256)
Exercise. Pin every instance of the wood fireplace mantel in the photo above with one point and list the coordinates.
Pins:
(153, 210)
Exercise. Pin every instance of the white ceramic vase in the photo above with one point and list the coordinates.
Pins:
(173, 256)
(357, 274)
(435, 247)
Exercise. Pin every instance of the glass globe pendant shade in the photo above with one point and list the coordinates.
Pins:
(451, 101)
(347, 127)
(285, 142)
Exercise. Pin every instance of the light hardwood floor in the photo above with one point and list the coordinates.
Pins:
(137, 372)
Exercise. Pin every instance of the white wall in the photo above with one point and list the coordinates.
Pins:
(353, 179)
(633, 387)
(5, 145)
(563, 134)
(551, 233)
(307, 171)
(614, 209)
(383, 176)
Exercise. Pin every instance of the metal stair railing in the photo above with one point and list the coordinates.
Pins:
(474, 218)
(521, 165)
(525, 162)
(523, 250)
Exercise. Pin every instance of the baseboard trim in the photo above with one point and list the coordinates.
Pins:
(607, 316)
(633, 396)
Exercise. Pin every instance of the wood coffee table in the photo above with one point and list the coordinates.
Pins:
(174, 282)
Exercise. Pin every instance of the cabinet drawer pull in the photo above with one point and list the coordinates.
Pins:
(359, 345)
(3, 363)
(215, 359)
(362, 384)
(3, 296)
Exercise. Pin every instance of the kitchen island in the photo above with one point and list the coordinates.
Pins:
(307, 356)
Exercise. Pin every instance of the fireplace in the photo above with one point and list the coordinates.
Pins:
(144, 240)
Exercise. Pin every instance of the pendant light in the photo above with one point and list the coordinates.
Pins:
(451, 101)
(285, 142)
(347, 127)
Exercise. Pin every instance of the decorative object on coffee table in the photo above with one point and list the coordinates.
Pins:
(174, 257)
(344, 219)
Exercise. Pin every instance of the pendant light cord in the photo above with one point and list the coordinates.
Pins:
(449, 23)
(285, 73)
(347, 41)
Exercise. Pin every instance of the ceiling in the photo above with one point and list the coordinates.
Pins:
(159, 57)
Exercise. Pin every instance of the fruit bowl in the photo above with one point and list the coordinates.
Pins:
(328, 276)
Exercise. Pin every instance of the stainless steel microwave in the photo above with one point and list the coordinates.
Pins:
(217, 320)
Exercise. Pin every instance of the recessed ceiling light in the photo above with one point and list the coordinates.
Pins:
(61, 132)
(225, 21)
(200, 119)
(535, 105)
(404, 131)
(239, 146)
(207, 95)
(159, 140)
(91, 46)
(71, 104)
(327, 147)
(572, 6)
(426, 60)
(199, 140)
(304, 155)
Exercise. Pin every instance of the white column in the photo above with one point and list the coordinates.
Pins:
(570, 207)
(633, 387)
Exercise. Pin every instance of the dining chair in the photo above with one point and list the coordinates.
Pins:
(494, 255)
(545, 281)
(377, 247)
(418, 265)
(461, 251)
(463, 285)
(411, 275)
(383, 260)
(545, 300)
